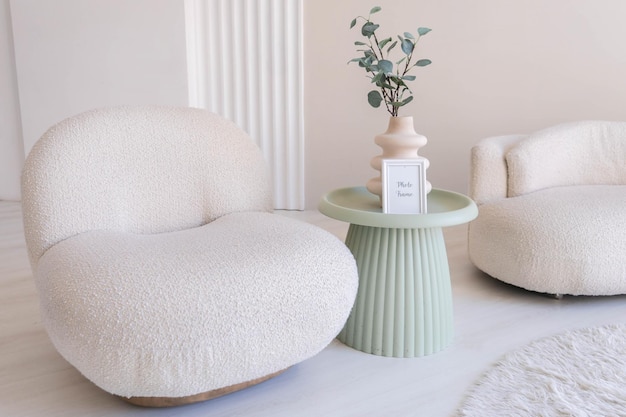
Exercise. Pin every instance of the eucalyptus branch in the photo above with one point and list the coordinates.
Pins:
(375, 61)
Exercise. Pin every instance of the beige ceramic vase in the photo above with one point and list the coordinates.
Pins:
(400, 141)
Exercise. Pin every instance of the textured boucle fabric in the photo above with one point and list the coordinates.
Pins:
(179, 313)
(551, 208)
(160, 268)
(489, 169)
(562, 240)
(578, 153)
(140, 169)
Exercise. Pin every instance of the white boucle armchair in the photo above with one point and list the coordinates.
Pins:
(163, 275)
(552, 209)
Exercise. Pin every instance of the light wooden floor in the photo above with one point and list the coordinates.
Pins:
(490, 319)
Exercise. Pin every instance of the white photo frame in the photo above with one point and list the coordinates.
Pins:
(404, 186)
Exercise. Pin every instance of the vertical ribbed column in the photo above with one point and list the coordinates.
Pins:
(245, 62)
(404, 302)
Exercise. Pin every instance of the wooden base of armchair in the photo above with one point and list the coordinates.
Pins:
(176, 401)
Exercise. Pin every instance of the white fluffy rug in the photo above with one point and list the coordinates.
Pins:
(578, 373)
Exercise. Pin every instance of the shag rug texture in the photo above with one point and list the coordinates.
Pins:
(578, 373)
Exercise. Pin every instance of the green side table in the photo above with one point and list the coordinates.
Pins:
(403, 306)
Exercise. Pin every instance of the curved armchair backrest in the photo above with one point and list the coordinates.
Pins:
(139, 169)
(580, 153)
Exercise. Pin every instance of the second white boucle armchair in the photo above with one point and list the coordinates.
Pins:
(552, 209)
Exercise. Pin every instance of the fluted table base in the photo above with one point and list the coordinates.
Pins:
(404, 302)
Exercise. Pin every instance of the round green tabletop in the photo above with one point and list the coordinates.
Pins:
(356, 205)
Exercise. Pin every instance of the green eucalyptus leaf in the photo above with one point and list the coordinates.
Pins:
(362, 63)
(397, 80)
(374, 98)
(423, 62)
(385, 66)
(353, 23)
(393, 45)
(355, 60)
(401, 61)
(403, 102)
(368, 29)
(359, 43)
(384, 42)
(375, 9)
(407, 46)
(409, 35)
(423, 31)
(381, 84)
(378, 77)
(409, 78)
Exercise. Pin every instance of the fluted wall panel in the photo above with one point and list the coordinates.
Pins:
(245, 63)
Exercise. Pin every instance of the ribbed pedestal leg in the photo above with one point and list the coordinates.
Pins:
(404, 302)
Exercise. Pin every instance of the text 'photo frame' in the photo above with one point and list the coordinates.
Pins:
(404, 186)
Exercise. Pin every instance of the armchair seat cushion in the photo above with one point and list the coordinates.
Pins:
(178, 313)
(559, 240)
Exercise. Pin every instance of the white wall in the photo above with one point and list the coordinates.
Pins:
(74, 55)
(499, 66)
(11, 147)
